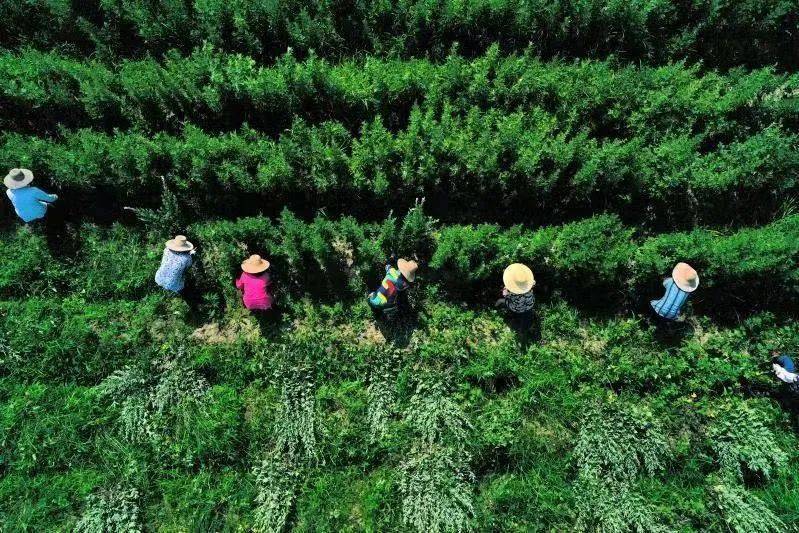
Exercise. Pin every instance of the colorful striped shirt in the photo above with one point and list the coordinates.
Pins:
(670, 305)
(386, 295)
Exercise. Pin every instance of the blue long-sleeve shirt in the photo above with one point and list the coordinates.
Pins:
(30, 203)
(670, 305)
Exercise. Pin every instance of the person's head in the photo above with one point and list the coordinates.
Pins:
(180, 245)
(18, 178)
(685, 277)
(774, 353)
(518, 278)
(407, 269)
(255, 265)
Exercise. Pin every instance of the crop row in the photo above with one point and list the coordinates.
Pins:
(596, 259)
(719, 33)
(517, 167)
(216, 91)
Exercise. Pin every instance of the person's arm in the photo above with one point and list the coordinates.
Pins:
(666, 282)
(239, 283)
(43, 196)
(8, 193)
(784, 375)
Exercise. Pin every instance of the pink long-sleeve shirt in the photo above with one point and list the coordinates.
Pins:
(257, 290)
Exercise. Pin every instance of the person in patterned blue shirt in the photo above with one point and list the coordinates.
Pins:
(176, 260)
(400, 274)
(683, 281)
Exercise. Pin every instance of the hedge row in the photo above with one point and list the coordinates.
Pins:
(518, 167)
(729, 32)
(597, 259)
(44, 91)
(331, 259)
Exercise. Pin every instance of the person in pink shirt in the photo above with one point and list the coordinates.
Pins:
(255, 283)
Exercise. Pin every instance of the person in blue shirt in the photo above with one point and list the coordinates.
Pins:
(176, 260)
(30, 203)
(683, 281)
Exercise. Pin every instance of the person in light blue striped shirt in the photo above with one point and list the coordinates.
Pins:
(683, 281)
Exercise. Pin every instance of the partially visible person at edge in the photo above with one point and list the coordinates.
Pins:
(399, 276)
(255, 283)
(175, 262)
(30, 203)
(785, 370)
(683, 281)
(517, 294)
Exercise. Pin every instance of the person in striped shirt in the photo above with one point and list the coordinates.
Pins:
(400, 274)
(683, 281)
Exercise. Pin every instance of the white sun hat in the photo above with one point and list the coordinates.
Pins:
(18, 178)
(179, 244)
(685, 277)
(518, 278)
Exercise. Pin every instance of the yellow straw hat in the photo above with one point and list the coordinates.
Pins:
(255, 265)
(685, 277)
(18, 178)
(518, 278)
(408, 269)
(179, 244)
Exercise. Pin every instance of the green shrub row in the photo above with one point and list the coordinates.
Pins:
(729, 32)
(330, 258)
(222, 91)
(595, 260)
(518, 167)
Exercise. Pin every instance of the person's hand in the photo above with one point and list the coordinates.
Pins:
(504, 291)
(55, 197)
(193, 252)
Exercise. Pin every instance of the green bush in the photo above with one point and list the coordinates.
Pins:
(723, 33)
(223, 91)
(455, 162)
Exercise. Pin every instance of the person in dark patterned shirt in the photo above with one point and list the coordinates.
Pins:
(517, 294)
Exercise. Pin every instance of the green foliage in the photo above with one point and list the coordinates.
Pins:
(741, 434)
(276, 481)
(436, 491)
(721, 34)
(742, 511)
(113, 510)
(612, 507)
(619, 442)
(669, 145)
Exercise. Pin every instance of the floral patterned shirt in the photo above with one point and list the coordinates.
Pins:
(171, 273)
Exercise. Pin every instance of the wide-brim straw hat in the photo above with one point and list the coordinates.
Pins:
(408, 269)
(518, 278)
(255, 264)
(179, 244)
(685, 277)
(18, 178)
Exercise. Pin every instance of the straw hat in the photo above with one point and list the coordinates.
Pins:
(18, 178)
(685, 277)
(408, 269)
(179, 244)
(518, 278)
(255, 265)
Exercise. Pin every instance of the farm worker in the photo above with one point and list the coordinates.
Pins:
(785, 370)
(683, 281)
(517, 294)
(255, 283)
(30, 203)
(399, 276)
(174, 263)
